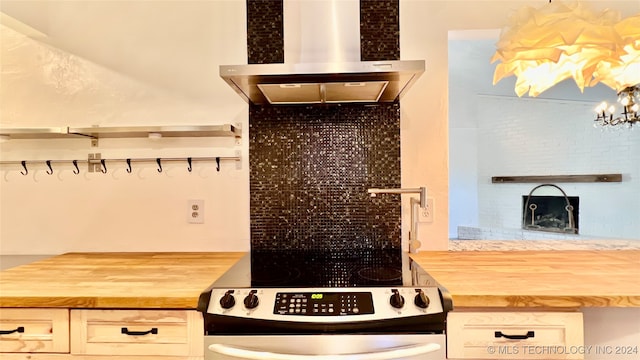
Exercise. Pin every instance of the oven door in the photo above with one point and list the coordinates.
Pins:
(326, 347)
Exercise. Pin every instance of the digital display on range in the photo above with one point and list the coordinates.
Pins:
(324, 304)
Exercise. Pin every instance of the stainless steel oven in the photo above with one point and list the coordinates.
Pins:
(329, 347)
(302, 306)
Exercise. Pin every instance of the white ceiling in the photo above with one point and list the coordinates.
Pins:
(171, 49)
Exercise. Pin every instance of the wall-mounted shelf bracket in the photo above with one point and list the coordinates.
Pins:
(238, 160)
(92, 165)
(238, 133)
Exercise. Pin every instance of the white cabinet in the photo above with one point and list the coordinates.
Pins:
(34, 330)
(515, 335)
(95, 334)
(137, 332)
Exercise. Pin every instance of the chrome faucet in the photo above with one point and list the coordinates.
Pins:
(414, 244)
(421, 190)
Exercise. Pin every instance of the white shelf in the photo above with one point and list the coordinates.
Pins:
(225, 130)
(37, 133)
(165, 131)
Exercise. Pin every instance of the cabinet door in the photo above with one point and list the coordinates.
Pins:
(137, 332)
(34, 330)
(515, 335)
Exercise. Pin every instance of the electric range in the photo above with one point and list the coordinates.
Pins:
(365, 304)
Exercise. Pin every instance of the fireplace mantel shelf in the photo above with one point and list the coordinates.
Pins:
(558, 178)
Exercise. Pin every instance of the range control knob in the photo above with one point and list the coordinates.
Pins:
(396, 300)
(251, 300)
(227, 301)
(421, 300)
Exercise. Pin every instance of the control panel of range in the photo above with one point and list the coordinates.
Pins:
(323, 303)
(316, 304)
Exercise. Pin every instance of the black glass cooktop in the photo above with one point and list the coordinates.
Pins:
(304, 269)
(326, 269)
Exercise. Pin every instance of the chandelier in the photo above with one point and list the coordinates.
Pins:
(629, 98)
(545, 46)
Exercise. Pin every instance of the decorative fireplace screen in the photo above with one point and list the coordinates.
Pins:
(549, 212)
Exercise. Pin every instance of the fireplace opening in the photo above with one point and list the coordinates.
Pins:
(550, 212)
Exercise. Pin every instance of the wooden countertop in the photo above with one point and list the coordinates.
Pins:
(114, 280)
(558, 279)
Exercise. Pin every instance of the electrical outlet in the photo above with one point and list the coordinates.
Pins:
(195, 212)
(426, 214)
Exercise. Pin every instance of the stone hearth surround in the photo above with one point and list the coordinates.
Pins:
(485, 233)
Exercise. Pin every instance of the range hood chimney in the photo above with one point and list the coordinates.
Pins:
(322, 62)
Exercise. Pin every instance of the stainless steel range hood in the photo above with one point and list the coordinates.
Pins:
(316, 83)
(322, 62)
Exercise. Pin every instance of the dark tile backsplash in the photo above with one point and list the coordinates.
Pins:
(310, 166)
(379, 30)
(265, 32)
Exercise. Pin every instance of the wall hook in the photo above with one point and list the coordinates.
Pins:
(24, 165)
(50, 171)
(159, 165)
(218, 164)
(129, 166)
(104, 166)
(77, 170)
(189, 162)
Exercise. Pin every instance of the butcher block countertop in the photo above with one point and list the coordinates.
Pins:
(541, 279)
(114, 280)
(535, 279)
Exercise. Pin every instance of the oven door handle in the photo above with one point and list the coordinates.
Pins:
(394, 353)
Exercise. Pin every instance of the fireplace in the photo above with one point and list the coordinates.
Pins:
(553, 213)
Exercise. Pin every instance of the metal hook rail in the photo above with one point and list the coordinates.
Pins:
(96, 165)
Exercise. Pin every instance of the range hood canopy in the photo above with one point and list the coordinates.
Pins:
(322, 62)
(320, 83)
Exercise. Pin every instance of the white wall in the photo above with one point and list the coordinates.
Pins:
(553, 137)
(542, 137)
(424, 28)
(470, 74)
(463, 179)
(158, 66)
(610, 332)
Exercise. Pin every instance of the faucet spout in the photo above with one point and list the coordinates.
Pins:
(422, 191)
(414, 244)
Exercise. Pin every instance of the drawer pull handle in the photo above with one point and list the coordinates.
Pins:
(139, 333)
(19, 329)
(529, 334)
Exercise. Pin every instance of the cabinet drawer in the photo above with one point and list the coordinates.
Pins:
(514, 335)
(137, 332)
(34, 330)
